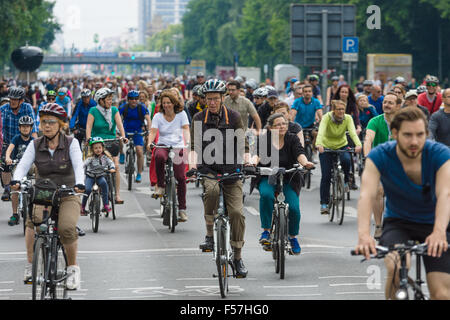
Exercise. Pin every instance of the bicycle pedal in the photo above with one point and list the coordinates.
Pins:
(28, 282)
(267, 248)
(207, 250)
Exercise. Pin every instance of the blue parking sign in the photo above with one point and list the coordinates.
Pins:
(350, 45)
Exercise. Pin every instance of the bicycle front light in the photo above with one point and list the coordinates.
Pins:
(171, 155)
(401, 294)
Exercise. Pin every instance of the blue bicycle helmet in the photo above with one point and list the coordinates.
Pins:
(133, 94)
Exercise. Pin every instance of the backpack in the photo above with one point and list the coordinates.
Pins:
(125, 112)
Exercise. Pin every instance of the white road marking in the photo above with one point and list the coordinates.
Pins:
(365, 292)
(294, 295)
(351, 212)
(289, 287)
(252, 211)
(137, 289)
(351, 284)
(332, 277)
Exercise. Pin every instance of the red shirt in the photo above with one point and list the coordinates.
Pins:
(433, 106)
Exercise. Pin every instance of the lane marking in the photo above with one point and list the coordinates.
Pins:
(252, 211)
(351, 284)
(364, 292)
(288, 287)
(294, 295)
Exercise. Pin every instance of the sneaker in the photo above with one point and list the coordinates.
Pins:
(182, 216)
(73, 278)
(138, 178)
(122, 159)
(295, 246)
(353, 186)
(14, 220)
(81, 232)
(324, 209)
(28, 274)
(6, 195)
(240, 269)
(208, 245)
(159, 192)
(265, 238)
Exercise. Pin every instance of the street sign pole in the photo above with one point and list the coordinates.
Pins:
(324, 52)
(349, 73)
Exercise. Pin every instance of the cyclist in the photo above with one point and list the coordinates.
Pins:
(262, 106)
(376, 99)
(64, 100)
(80, 115)
(307, 111)
(440, 121)
(98, 160)
(415, 174)
(198, 103)
(173, 127)
(102, 122)
(250, 87)
(10, 115)
(241, 104)
(222, 120)
(332, 135)
(432, 98)
(293, 127)
(15, 151)
(366, 110)
(289, 152)
(135, 116)
(50, 98)
(378, 132)
(331, 91)
(314, 81)
(57, 157)
(411, 101)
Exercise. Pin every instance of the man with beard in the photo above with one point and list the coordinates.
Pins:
(415, 173)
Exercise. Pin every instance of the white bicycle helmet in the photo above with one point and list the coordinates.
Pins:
(102, 94)
(214, 86)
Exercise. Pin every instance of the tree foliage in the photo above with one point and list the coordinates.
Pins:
(259, 31)
(26, 21)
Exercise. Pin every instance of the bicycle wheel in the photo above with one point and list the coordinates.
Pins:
(112, 186)
(282, 236)
(61, 273)
(332, 203)
(130, 171)
(276, 243)
(340, 203)
(222, 258)
(39, 270)
(24, 211)
(95, 213)
(173, 205)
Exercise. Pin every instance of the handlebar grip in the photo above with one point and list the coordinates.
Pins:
(353, 253)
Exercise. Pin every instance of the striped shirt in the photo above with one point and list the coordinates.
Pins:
(11, 121)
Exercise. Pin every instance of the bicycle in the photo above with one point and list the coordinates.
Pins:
(279, 242)
(111, 178)
(169, 201)
(407, 284)
(337, 199)
(49, 266)
(361, 160)
(95, 201)
(130, 158)
(24, 199)
(222, 252)
(307, 134)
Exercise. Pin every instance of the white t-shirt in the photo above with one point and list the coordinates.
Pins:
(170, 133)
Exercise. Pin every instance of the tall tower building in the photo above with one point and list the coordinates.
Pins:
(152, 11)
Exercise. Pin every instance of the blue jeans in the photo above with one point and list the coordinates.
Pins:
(267, 201)
(326, 164)
(102, 183)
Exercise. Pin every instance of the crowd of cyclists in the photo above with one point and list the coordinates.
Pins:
(72, 131)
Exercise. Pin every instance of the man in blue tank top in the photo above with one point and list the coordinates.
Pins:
(415, 174)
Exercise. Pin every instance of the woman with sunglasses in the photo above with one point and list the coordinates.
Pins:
(432, 98)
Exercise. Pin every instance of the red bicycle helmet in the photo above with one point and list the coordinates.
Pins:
(53, 109)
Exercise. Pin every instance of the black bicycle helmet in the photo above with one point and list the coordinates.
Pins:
(26, 120)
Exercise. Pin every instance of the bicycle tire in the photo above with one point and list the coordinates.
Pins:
(24, 212)
(276, 244)
(173, 205)
(61, 272)
(39, 270)
(332, 203)
(340, 204)
(95, 214)
(308, 180)
(282, 240)
(130, 170)
(222, 259)
(112, 192)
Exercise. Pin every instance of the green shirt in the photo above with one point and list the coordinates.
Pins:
(381, 129)
(100, 128)
(332, 135)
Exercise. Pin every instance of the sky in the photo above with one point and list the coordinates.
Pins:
(81, 19)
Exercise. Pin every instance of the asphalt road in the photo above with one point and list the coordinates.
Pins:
(135, 257)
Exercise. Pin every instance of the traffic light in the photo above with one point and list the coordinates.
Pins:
(133, 57)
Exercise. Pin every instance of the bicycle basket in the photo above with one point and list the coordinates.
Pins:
(43, 192)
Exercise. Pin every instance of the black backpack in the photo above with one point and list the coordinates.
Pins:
(126, 108)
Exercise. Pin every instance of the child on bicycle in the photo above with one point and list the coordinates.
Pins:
(15, 151)
(98, 162)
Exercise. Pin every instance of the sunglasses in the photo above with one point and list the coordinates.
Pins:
(133, 98)
(49, 121)
(432, 84)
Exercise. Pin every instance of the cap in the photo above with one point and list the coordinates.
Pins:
(272, 94)
(410, 93)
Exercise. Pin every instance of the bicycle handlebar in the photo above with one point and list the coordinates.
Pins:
(265, 171)
(419, 249)
(350, 150)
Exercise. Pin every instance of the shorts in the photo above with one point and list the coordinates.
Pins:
(113, 148)
(397, 231)
(138, 140)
